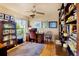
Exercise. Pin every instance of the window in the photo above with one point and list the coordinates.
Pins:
(21, 27)
(45, 24)
(37, 24)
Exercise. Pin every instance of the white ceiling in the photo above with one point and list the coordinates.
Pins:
(50, 9)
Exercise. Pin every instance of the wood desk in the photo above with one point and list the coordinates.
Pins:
(40, 37)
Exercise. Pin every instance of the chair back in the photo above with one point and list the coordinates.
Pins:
(32, 34)
(48, 35)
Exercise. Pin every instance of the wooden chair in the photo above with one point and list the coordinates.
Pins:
(48, 36)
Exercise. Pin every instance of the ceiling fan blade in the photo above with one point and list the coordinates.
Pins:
(28, 10)
(40, 13)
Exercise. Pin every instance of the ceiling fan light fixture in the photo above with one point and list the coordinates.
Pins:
(33, 15)
(35, 12)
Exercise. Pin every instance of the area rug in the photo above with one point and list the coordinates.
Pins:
(27, 49)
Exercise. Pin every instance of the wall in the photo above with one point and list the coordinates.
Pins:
(55, 31)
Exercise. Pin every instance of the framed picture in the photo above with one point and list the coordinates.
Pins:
(11, 18)
(7, 17)
(1, 16)
(52, 24)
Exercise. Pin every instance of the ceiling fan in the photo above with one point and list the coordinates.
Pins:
(34, 12)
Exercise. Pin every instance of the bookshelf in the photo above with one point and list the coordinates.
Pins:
(68, 24)
(8, 33)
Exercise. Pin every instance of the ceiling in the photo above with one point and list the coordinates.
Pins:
(50, 9)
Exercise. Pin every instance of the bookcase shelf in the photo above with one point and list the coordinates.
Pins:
(72, 22)
(8, 33)
(69, 23)
(70, 13)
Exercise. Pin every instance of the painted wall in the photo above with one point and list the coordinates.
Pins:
(55, 31)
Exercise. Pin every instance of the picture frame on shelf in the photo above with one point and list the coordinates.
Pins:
(1, 16)
(52, 24)
(12, 18)
(5, 38)
(7, 17)
(11, 42)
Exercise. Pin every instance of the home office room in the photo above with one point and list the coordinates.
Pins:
(38, 29)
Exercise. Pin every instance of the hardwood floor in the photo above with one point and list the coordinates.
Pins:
(60, 51)
(48, 50)
(52, 49)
